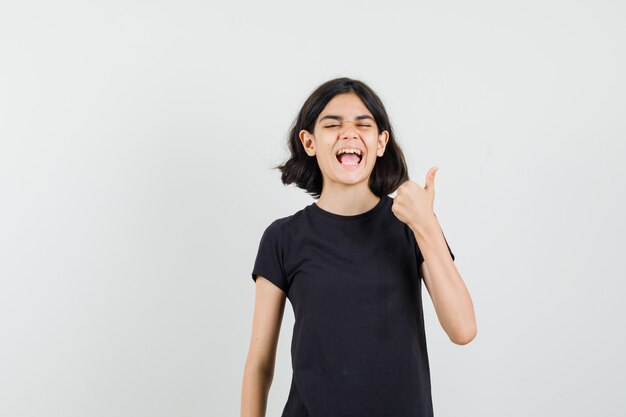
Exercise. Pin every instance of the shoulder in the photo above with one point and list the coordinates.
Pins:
(282, 225)
(273, 231)
(288, 222)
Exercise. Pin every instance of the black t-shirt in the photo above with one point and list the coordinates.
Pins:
(358, 346)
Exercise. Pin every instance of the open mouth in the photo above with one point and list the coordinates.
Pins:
(349, 157)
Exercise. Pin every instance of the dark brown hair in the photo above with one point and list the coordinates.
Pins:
(390, 170)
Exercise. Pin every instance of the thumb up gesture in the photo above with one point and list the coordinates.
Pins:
(413, 204)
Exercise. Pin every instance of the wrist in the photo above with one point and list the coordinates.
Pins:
(425, 227)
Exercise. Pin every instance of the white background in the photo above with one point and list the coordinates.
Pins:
(136, 145)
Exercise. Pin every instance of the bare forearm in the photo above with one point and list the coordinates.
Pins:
(450, 296)
(255, 390)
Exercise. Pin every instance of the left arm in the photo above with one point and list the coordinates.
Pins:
(445, 286)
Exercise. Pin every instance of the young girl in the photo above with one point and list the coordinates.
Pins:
(352, 264)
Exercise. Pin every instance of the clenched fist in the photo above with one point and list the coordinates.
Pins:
(413, 204)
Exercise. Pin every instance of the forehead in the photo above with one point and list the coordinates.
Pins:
(346, 105)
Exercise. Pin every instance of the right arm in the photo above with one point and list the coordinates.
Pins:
(258, 373)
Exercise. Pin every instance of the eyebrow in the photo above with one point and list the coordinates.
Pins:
(337, 117)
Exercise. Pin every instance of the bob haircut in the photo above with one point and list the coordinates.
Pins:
(389, 171)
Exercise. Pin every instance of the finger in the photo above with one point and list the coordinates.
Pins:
(430, 178)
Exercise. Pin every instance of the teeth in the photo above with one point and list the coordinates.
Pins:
(356, 151)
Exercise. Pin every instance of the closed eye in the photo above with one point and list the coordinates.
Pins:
(357, 125)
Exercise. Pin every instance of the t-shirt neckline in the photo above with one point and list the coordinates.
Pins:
(353, 217)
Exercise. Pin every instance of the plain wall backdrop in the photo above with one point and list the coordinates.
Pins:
(136, 146)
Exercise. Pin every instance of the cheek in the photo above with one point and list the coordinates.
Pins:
(324, 157)
(372, 152)
(327, 152)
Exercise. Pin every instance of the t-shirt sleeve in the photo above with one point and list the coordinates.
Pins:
(270, 256)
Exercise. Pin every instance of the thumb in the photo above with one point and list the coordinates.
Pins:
(430, 179)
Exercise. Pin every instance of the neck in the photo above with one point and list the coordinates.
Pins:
(347, 200)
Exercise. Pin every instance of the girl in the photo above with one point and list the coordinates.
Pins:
(351, 264)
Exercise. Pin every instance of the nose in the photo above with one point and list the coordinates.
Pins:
(348, 129)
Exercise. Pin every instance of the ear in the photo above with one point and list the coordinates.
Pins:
(383, 137)
(308, 142)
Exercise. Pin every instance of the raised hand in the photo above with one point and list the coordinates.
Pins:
(413, 204)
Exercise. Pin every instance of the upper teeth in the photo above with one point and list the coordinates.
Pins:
(356, 151)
